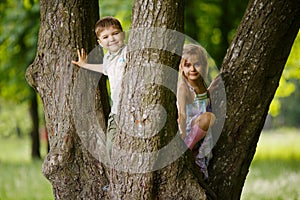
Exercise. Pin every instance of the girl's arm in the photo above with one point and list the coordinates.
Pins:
(82, 62)
(181, 104)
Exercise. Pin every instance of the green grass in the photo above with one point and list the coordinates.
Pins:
(20, 177)
(274, 173)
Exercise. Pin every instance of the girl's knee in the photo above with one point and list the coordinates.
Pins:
(212, 118)
(205, 120)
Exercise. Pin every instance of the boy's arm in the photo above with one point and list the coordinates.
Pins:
(82, 62)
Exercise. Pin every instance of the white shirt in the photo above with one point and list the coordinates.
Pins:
(113, 67)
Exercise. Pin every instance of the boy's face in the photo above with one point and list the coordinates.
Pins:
(192, 68)
(112, 39)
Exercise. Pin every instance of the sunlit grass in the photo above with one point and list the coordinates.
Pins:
(275, 171)
(20, 177)
(282, 143)
(273, 179)
(23, 181)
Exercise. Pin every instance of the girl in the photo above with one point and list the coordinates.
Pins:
(194, 109)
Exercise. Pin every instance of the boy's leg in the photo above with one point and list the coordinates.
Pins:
(110, 133)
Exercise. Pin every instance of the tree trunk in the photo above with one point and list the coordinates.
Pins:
(251, 71)
(149, 160)
(147, 137)
(35, 137)
(70, 167)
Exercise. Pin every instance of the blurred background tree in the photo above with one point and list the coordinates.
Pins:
(210, 22)
(285, 110)
(18, 41)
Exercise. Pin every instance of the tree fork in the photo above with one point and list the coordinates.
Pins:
(255, 60)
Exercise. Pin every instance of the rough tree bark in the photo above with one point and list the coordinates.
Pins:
(74, 111)
(65, 26)
(251, 71)
(139, 171)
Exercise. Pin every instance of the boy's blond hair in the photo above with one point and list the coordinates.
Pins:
(106, 22)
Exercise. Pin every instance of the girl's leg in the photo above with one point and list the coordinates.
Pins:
(205, 120)
(199, 128)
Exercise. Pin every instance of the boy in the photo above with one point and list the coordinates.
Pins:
(111, 37)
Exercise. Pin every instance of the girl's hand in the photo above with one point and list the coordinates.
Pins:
(82, 58)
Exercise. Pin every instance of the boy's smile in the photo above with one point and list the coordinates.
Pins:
(112, 39)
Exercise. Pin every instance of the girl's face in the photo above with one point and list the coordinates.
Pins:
(111, 39)
(191, 67)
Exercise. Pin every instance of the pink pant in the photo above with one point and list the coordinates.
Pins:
(195, 136)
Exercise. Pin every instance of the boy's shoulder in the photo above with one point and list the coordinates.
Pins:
(122, 55)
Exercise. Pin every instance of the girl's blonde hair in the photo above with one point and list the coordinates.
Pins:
(196, 50)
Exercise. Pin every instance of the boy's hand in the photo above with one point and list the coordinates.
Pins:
(82, 58)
